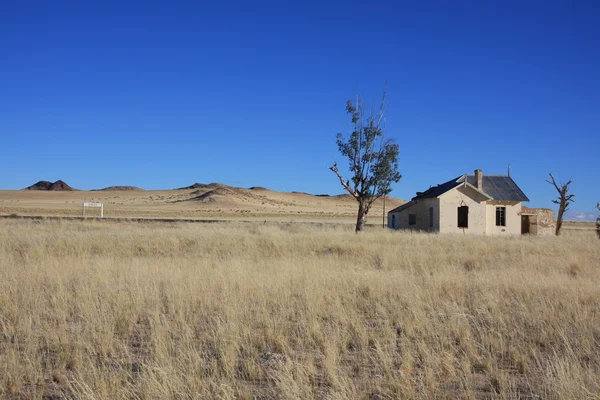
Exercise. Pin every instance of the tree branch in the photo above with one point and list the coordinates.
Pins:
(553, 182)
(373, 198)
(346, 185)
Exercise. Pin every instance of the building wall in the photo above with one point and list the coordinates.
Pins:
(400, 220)
(513, 218)
(546, 222)
(449, 203)
(482, 214)
(542, 221)
(533, 225)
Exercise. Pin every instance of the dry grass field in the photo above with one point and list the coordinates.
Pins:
(211, 201)
(106, 310)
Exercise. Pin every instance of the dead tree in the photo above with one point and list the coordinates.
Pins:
(563, 201)
(598, 221)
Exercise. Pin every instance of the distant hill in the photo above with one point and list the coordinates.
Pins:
(41, 185)
(212, 200)
(219, 195)
(54, 186)
(118, 188)
(216, 194)
(213, 185)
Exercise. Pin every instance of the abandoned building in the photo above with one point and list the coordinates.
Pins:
(472, 204)
(537, 221)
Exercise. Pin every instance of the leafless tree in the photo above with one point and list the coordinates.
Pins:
(563, 201)
(598, 221)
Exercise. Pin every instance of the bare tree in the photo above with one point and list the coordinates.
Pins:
(598, 221)
(372, 158)
(563, 201)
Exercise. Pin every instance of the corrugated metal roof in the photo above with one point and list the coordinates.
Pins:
(499, 187)
(440, 189)
(404, 206)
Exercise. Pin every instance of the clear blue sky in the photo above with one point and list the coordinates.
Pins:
(164, 94)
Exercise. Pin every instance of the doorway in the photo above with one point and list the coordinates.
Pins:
(525, 224)
(529, 224)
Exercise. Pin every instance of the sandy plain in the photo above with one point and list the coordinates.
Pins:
(209, 201)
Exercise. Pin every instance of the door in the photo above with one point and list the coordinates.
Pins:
(524, 224)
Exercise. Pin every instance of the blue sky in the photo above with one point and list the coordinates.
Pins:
(164, 94)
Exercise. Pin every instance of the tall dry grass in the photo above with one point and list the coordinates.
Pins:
(122, 311)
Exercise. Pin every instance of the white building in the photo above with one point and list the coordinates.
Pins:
(470, 204)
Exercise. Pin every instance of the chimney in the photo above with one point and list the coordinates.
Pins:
(479, 179)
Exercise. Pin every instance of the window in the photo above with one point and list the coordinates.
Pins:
(431, 217)
(393, 221)
(463, 217)
(412, 219)
(500, 216)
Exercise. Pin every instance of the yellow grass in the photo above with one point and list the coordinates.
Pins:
(94, 310)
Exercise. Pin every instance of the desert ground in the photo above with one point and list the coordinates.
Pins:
(200, 201)
(123, 310)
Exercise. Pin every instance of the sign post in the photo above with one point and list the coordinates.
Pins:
(97, 205)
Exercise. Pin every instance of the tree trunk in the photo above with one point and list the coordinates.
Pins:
(559, 218)
(564, 199)
(361, 218)
(598, 221)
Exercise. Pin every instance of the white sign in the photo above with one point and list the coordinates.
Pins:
(99, 205)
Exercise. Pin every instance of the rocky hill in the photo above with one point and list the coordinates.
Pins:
(54, 186)
(118, 188)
